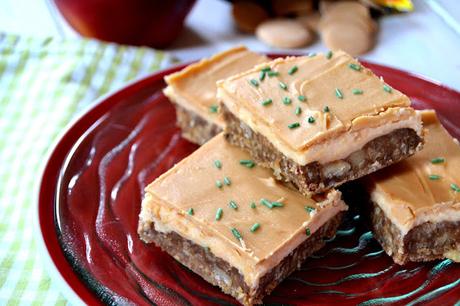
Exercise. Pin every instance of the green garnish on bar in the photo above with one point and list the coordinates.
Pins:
(247, 163)
(357, 91)
(213, 108)
(438, 160)
(338, 93)
(309, 209)
(298, 110)
(387, 88)
(287, 100)
(227, 181)
(302, 98)
(267, 203)
(262, 75)
(267, 102)
(326, 109)
(219, 184)
(355, 67)
(283, 86)
(254, 227)
(294, 125)
(236, 234)
(434, 177)
(254, 82)
(266, 69)
(329, 54)
(218, 164)
(253, 205)
(190, 211)
(292, 70)
(454, 187)
(219, 213)
(277, 204)
(311, 119)
(233, 204)
(272, 73)
(307, 231)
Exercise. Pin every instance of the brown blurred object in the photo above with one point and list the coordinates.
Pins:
(311, 21)
(284, 33)
(151, 23)
(348, 26)
(292, 7)
(248, 15)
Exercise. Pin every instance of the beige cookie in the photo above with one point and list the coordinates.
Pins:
(284, 33)
(311, 21)
(348, 37)
(366, 23)
(344, 7)
(248, 15)
(292, 7)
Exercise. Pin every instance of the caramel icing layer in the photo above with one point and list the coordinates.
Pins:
(192, 184)
(417, 190)
(194, 87)
(357, 100)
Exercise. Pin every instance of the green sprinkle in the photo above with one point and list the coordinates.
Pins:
(357, 91)
(338, 93)
(255, 227)
(329, 54)
(218, 164)
(219, 213)
(254, 82)
(387, 88)
(272, 73)
(438, 160)
(434, 177)
(233, 205)
(287, 100)
(292, 70)
(266, 69)
(311, 119)
(267, 203)
(267, 102)
(326, 109)
(298, 110)
(355, 67)
(313, 54)
(307, 231)
(277, 204)
(247, 163)
(227, 181)
(236, 234)
(294, 125)
(455, 187)
(219, 184)
(283, 86)
(262, 75)
(302, 98)
(253, 205)
(213, 108)
(309, 209)
(190, 211)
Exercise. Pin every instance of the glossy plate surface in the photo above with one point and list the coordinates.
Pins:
(91, 190)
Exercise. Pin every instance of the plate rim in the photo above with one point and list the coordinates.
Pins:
(52, 267)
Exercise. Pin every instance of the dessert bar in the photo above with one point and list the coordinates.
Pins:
(318, 120)
(193, 91)
(226, 218)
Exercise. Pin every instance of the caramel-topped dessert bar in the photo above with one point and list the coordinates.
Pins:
(193, 91)
(319, 120)
(228, 220)
(415, 204)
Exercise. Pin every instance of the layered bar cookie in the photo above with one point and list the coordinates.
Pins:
(319, 120)
(193, 91)
(415, 204)
(228, 220)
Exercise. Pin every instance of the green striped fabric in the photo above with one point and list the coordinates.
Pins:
(43, 84)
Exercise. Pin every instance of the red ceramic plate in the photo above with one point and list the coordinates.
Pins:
(91, 190)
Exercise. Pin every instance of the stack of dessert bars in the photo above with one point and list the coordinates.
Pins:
(278, 136)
